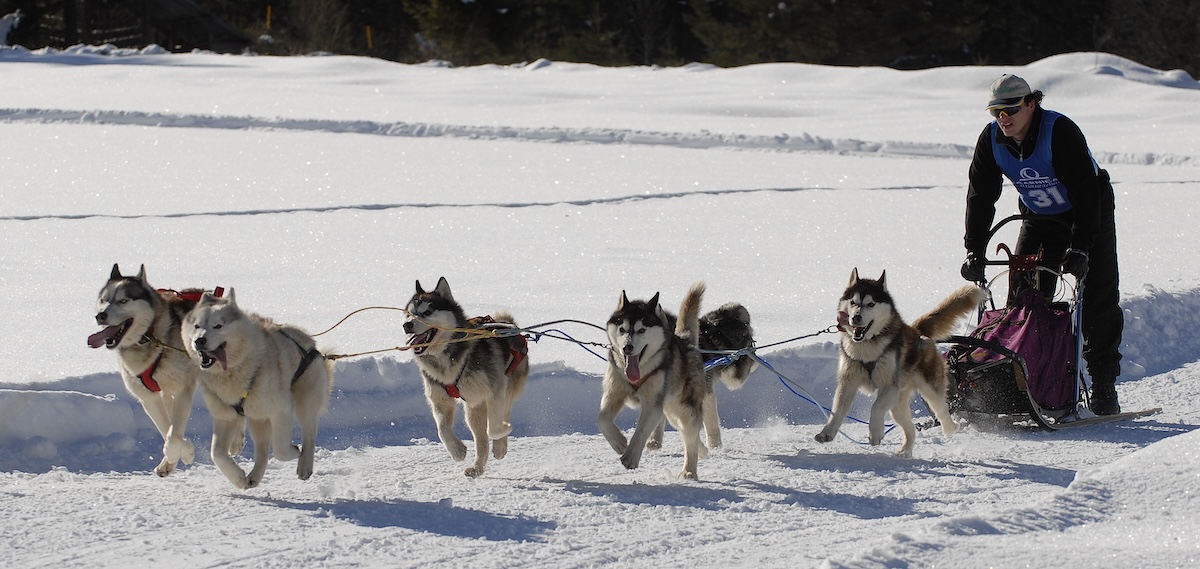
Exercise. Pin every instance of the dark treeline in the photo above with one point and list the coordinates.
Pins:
(903, 34)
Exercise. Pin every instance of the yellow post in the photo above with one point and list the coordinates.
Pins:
(268, 16)
(370, 44)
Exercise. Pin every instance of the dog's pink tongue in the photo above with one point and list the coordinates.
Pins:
(96, 340)
(632, 371)
(219, 355)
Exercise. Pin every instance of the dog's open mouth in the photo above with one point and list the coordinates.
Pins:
(860, 332)
(111, 336)
(210, 357)
(857, 333)
(420, 342)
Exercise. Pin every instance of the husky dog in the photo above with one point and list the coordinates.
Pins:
(269, 373)
(654, 365)
(726, 329)
(882, 354)
(142, 325)
(487, 374)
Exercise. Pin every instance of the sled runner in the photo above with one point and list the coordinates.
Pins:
(1022, 360)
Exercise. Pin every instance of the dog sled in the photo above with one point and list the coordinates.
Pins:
(1023, 360)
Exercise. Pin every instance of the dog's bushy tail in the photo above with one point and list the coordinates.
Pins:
(687, 326)
(504, 317)
(939, 323)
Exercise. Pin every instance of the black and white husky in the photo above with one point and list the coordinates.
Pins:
(459, 363)
(142, 324)
(882, 354)
(726, 329)
(655, 366)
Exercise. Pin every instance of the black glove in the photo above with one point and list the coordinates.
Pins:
(1076, 263)
(972, 268)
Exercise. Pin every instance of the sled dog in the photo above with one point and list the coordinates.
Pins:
(881, 354)
(655, 366)
(486, 374)
(270, 374)
(142, 324)
(726, 329)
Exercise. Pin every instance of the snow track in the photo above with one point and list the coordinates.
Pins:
(698, 140)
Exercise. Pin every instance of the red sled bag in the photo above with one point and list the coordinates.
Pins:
(1043, 337)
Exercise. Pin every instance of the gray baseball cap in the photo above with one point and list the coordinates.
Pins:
(1008, 90)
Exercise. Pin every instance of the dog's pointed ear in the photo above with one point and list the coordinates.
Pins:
(621, 302)
(142, 274)
(443, 288)
(116, 273)
(853, 277)
(232, 298)
(883, 279)
(419, 289)
(653, 300)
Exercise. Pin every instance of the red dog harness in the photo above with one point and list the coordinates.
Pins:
(147, 376)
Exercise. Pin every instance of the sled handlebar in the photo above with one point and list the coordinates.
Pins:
(1050, 265)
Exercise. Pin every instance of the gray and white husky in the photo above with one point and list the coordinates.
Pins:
(270, 374)
(486, 374)
(142, 324)
(882, 354)
(655, 366)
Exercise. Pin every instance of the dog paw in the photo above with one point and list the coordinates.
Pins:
(164, 468)
(904, 453)
(653, 444)
(189, 453)
(458, 450)
(688, 474)
(823, 437)
(500, 447)
(304, 471)
(243, 482)
(474, 472)
(630, 462)
(949, 427)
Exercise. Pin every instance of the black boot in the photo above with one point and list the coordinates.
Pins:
(1104, 396)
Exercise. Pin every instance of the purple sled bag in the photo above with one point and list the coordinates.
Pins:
(1042, 335)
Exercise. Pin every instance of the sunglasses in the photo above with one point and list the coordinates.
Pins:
(1006, 111)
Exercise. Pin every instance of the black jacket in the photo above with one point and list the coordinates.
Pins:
(1072, 164)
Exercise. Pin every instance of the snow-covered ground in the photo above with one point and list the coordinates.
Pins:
(319, 185)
